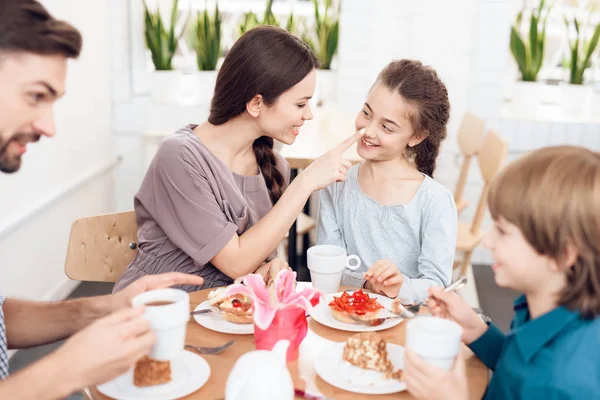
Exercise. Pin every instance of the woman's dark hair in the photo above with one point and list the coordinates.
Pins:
(420, 86)
(268, 61)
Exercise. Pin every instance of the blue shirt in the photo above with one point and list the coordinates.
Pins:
(554, 356)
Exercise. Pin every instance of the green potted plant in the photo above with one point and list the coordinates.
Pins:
(324, 42)
(162, 42)
(582, 45)
(528, 53)
(206, 41)
(250, 20)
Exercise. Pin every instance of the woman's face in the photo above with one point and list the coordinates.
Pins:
(283, 119)
(388, 129)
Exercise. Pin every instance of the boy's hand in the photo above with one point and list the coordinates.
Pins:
(449, 305)
(430, 382)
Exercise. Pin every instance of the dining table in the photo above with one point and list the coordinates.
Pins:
(302, 370)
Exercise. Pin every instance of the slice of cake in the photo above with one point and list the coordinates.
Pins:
(149, 372)
(367, 350)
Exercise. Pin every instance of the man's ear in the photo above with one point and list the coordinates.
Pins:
(254, 106)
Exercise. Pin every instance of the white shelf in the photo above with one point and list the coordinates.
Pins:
(553, 113)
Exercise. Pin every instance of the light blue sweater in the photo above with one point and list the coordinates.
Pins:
(418, 237)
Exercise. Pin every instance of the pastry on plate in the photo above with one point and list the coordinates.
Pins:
(149, 372)
(368, 350)
(236, 308)
(358, 305)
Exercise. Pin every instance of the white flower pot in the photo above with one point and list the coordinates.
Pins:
(576, 99)
(526, 97)
(326, 89)
(198, 87)
(166, 86)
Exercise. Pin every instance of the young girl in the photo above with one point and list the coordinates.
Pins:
(545, 244)
(390, 212)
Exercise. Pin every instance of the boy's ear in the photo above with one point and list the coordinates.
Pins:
(417, 138)
(569, 257)
(255, 105)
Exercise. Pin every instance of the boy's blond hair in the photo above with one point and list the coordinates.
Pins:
(553, 196)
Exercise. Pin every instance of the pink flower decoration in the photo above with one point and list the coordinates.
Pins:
(266, 301)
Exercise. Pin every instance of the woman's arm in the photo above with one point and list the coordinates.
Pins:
(242, 254)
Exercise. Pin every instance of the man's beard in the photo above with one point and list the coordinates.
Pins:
(12, 163)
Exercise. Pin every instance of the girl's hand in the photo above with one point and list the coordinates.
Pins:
(427, 381)
(450, 306)
(384, 277)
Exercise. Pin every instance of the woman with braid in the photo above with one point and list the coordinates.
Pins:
(390, 212)
(212, 202)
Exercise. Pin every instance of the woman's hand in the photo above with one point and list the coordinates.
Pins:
(450, 306)
(426, 381)
(330, 167)
(384, 277)
(269, 270)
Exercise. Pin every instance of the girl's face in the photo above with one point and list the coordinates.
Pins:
(282, 120)
(385, 116)
(517, 265)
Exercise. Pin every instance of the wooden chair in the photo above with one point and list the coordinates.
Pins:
(470, 140)
(304, 225)
(490, 159)
(101, 247)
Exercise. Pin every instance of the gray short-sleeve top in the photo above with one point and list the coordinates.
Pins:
(189, 206)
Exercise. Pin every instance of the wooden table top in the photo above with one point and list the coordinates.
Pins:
(222, 364)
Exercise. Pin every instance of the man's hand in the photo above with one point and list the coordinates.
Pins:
(150, 282)
(105, 349)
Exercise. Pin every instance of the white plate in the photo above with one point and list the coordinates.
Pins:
(330, 366)
(215, 322)
(322, 314)
(189, 372)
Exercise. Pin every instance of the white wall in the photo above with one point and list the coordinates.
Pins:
(466, 41)
(67, 177)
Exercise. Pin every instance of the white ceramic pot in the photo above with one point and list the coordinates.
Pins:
(326, 89)
(526, 97)
(166, 86)
(576, 99)
(198, 88)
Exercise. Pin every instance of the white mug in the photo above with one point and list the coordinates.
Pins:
(326, 264)
(168, 321)
(434, 339)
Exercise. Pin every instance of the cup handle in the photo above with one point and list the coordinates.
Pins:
(350, 266)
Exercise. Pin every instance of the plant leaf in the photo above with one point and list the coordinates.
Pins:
(517, 48)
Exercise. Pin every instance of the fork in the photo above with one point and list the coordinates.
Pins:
(379, 321)
(457, 284)
(410, 312)
(212, 350)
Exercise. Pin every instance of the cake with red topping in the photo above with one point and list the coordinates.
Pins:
(358, 305)
(236, 308)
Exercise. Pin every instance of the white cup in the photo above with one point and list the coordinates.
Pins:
(326, 264)
(436, 340)
(169, 322)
